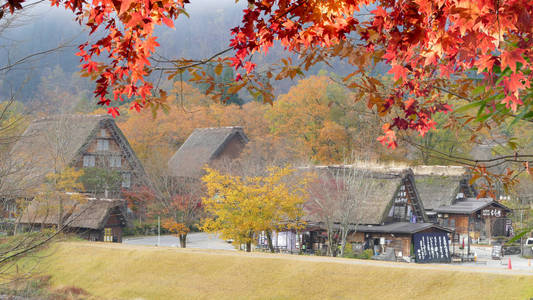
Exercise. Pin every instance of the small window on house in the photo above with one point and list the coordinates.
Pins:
(452, 223)
(88, 161)
(103, 133)
(102, 145)
(126, 180)
(115, 161)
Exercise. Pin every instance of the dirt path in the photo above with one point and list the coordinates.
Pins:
(348, 261)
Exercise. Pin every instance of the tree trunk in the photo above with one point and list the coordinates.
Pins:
(60, 220)
(269, 239)
(344, 236)
(249, 242)
(183, 240)
(331, 246)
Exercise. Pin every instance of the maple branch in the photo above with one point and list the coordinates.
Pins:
(472, 162)
(205, 61)
(452, 93)
(193, 64)
(471, 100)
(24, 59)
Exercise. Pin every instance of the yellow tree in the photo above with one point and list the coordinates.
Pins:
(241, 207)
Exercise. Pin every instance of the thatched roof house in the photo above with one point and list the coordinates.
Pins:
(89, 217)
(382, 195)
(388, 216)
(50, 144)
(442, 185)
(205, 146)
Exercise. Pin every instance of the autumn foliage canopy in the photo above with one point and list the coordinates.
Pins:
(484, 44)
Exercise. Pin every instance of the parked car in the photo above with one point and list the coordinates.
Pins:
(529, 242)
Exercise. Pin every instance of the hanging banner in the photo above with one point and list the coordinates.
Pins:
(431, 247)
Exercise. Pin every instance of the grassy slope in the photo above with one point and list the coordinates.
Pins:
(120, 271)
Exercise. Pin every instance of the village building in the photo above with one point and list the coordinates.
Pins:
(90, 218)
(207, 146)
(388, 218)
(442, 185)
(90, 142)
(80, 141)
(482, 220)
(450, 200)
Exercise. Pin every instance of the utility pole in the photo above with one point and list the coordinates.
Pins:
(158, 231)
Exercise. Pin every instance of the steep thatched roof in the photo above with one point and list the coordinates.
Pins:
(53, 143)
(94, 213)
(201, 147)
(380, 188)
(439, 185)
(89, 214)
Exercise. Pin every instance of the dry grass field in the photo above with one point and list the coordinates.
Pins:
(115, 271)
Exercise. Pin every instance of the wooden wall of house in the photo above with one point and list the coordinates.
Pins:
(459, 222)
(358, 237)
(400, 242)
(115, 223)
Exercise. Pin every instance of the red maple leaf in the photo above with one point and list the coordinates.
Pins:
(399, 71)
(511, 58)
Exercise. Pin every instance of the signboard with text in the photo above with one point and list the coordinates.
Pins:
(431, 247)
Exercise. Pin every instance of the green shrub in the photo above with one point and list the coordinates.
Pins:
(367, 254)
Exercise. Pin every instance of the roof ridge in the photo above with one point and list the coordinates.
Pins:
(222, 127)
(70, 117)
(439, 170)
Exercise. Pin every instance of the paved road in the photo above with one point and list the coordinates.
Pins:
(349, 261)
(198, 240)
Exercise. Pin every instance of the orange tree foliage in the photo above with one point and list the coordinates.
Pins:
(316, 120)
(175, 227)
(322, 120)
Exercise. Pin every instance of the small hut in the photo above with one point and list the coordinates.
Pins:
(92, 219)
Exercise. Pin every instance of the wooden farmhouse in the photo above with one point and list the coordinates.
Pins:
(388, 216)
(207, 146)
(450, 200)
(92, 219)
(81, 141)
(90, 142)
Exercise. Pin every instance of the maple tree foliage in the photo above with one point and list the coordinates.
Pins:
(425, 42)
